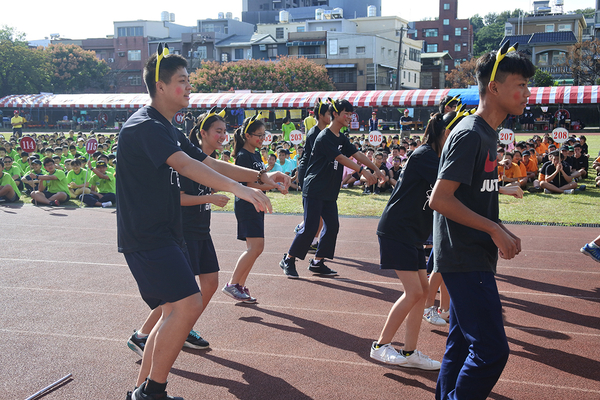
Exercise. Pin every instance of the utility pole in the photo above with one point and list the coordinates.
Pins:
(398, 68)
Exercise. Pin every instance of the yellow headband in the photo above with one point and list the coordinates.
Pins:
(460, 112)
(455, 98)
(212, 113)
(160, 54)
(254, 118)
(504, 50)
(321, 104)
(333, 104)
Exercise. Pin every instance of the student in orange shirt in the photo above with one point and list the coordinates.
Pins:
(531, 166)
(509, 173)
(518, 160)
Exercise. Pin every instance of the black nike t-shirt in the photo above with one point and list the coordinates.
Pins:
(196, 219)
(244, 158)
(468, 157)
(311, 136)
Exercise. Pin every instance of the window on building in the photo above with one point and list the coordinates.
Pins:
(343, 75)
(457, 47)
(414, 55)
(432, 48)
(446, 6)
(383, 51)
(433, 32)
(446, 38)
(446, 22)
(202, 52)
(508, 31)
(300, 29)
(130, 31)
(559, 57)
(456, 62)
(239, 54)
(208, 27)
(344, 51)
(549, 28)
(564, 27)
(542, 59)
(134, 55)
(446, 68)
(333, 47)
(272, 50)
(404, 75)
(389, 52)
(278, 33)
(135, 81)
(224, 57)
(457, 32)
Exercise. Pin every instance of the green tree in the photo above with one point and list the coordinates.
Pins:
(76, 70)
(489, 30)
(542, 78)
(23, 70)
(587, 12)
(286, 74)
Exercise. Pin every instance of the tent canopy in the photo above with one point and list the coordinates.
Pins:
(372, 98)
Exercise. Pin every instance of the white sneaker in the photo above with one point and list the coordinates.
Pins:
(421, 361)
(387, 354)
(568, 191)
(107, 204)
(445, 315)
(431, 315)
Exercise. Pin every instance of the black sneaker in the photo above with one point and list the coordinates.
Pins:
(377, 190)
(320, 268)
(194, 341)
(139, 394)
(313, 248)
(534, 189)
(136, 344)
(367, 191)
(289, 267)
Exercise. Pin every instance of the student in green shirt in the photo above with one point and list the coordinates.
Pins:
(13, 170)
(76, 180)
(287, 127)
(9, 193)
(103, 187)
(53, 188)
(23, 162)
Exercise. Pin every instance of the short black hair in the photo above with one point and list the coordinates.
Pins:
(168, 67)
(337, 106)
(513, 63)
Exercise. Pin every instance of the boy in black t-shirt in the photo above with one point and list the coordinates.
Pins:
(468, 235)
(321, 188)
(149, 223)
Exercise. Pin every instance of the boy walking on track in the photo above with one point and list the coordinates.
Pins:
(149, 224)
(468, 235)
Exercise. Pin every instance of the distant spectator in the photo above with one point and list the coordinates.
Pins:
(555, 176)
(53, 188)
(579, 163)
(287, 127)
(9, 192)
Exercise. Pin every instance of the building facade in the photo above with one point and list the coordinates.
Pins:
(446, 34)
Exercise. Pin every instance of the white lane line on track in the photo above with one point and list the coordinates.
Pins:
(288, 356)
(310, 310)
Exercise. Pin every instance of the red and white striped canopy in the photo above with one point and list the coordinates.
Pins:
(372, 98)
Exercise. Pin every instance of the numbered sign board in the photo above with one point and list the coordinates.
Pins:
(91, 146)
(27, 144)
(354, 122)
(296, 137)
(268, 138)
(375, 138)
(226, 140)
(506, 136)
(179, 117)
(560, 135)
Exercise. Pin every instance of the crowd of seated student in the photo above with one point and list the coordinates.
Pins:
(60, 169)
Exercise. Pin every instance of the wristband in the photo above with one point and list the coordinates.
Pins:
(361, 169)
(259, 176)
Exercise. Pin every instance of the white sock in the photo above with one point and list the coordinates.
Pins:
(140, 335)
(315, 241)
(107, 204)
(315, 262)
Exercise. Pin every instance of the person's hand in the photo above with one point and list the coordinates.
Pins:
(255, 196)
(277, 180)
(369, 177)
(219, 200)
(508, 246)
(514, 191)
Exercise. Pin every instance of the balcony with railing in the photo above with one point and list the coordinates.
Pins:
(309, 56)
(555, 69)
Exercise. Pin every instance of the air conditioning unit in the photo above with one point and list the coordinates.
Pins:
(111, 60)
(121, 54)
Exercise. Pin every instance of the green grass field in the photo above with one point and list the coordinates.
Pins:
(578, 209)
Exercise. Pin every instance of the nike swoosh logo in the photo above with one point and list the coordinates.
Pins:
(490, 165)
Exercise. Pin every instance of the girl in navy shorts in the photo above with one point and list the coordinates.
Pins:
(250, 222)
(405, 225)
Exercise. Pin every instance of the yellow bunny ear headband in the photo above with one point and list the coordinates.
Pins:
(254, 118)
(460, 113)
(332, 102)
(161, 52)
(504, 50)
(455, 98)
(321, 104)
(212, 113)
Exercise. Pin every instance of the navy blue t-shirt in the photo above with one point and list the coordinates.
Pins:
(311, 136)
(407, 217)
(468, 157)
(324, 173)
(148, 198)
(196, 219)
